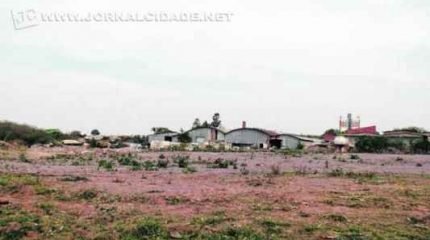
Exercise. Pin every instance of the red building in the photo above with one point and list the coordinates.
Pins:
(363, 130)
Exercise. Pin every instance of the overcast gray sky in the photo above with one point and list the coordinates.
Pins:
(292, 66)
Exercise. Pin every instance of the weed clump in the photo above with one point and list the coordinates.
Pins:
(162, 163)
(275, 170)
(88, 194)
(182, 161)
(107, 165)
(147, 228)
(150, 166)
(272, 227)
(71, 178)
(23, 158)
(222, 163)
(16, 223)
(244, 171)
(189, 169)
(235, 233)
(337, 218)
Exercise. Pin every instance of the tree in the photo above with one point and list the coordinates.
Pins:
(184, 138)
(377, 144)
(196, 123)
(216, 122)
(160, 130)
(205, 124)
(411, 129)
(26, 134)
(421, 146)
(332, 131)
(95, 132)
(75, 134)
(55, 133)
(141, 139)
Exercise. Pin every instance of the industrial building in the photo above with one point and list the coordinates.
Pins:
(241, 137)
(206, 135)
(168, 137)
(251, 137)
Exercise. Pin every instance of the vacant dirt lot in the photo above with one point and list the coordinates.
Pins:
(76, 193)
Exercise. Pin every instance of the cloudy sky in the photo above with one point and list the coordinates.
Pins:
(294, 66)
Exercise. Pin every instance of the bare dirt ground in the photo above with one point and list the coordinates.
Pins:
(67, 193)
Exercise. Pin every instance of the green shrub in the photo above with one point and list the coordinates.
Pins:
(272, 227)
(150, 166)
(375, 144)
(23, 221)
(182, 161)
(421, 146)
(29, 135)
(107, 165)
(162, 163)
(147, 228)
(338, 172)
(135, 165)
(126, 160)
(244, 171)
(88, 194)
(220, 163)
(337, 218)
(73, 178)
(215, 219)
(189, 169)
(352, 233)
(235, 234)
(184, 138)
(23, 158)
(175, 200)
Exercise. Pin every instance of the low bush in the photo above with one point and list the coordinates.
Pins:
(376, 144)
(221, 163)
(135, 165)
(421, 146)
(244, 171)
(88, 194)
(337, 218)
(189, 169)
(147, 228)
(162, 163)
(107, 165)
(15, 223)
(272, 227)
(182, 161)
(71, 178)
(150, 166)
(126, 160)
(275, 170)
(29, 135)
(235, 233)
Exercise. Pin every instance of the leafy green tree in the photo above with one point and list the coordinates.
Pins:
(377, 144)
(26, 134)
(332, 131)
(160, 130)
(196, 123)
(184, 138)
(95, 132)
(421, 146)
(75, 134)
(55, 133)
(205, 124)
